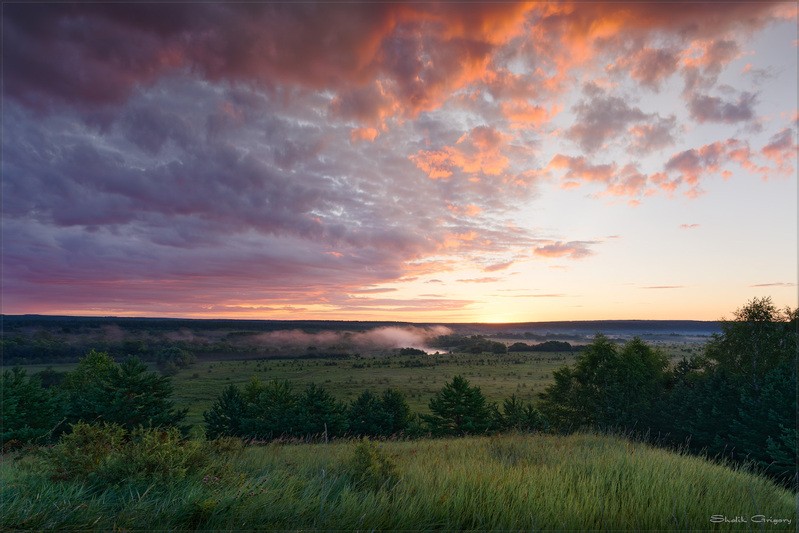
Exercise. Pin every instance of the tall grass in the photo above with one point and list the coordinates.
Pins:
(541, 482)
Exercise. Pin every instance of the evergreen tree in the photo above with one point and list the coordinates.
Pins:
(366, 416)
(520, 416)
(30, 413)
(459, 409)
(127, 394)
(765, 429)
(320, 414)
(398, 414)
(272, 411)
(226, 415)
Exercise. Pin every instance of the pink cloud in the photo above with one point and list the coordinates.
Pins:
(781, 149)
(498, 266)
(570, 249)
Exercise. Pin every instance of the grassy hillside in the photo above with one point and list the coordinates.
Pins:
(583, 482)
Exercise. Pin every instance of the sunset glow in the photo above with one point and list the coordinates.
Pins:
(505, 162)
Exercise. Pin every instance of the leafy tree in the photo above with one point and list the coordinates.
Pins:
(226, 415)
(459, 409)
(50, 378)
(607, 387)
(520, 347)
(757, 340)
(173, 358)
(739, 398)
(697, 411)
(30, 413)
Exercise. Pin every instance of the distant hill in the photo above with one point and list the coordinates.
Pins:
(625, 327)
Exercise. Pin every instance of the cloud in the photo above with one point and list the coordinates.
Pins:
(627, 181)
(164, 158)
(781, 149)
(477, 152)
(706, 108)
(480, 280)
(498, 266)
(658, 287)
(570, 249)
(600, 118)
(653, 136)
(689, 226)
(652, 66)
(364, 134)
(375, 290)
(694, 164)
(783, 284)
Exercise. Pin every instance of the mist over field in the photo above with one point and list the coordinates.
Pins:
(374, 339)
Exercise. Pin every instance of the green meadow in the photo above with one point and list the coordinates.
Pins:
(507, 482)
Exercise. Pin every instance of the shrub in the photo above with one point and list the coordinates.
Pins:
(370, 468)
(108, 454)
(88, 452)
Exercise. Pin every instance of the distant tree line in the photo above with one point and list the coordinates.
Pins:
(469, 344)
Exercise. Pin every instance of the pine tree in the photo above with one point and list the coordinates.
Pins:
(320, 414)
(520, 416)
(459, 409)
(367, 416)
(398, 414)
(226, 415)
(100, 390)
(272, 411)
(30, 412)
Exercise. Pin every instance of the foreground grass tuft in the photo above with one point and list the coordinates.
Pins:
(506, 482)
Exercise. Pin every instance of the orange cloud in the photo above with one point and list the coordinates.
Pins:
(363, 134)
(479, 151)
(468, 210)
(521, 114)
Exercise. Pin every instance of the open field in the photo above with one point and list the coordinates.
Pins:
(524, 374)
(579, 482)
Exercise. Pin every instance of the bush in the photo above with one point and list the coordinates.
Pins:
(108, 454)
(370, 468)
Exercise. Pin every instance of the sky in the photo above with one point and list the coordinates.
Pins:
(423, 162)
